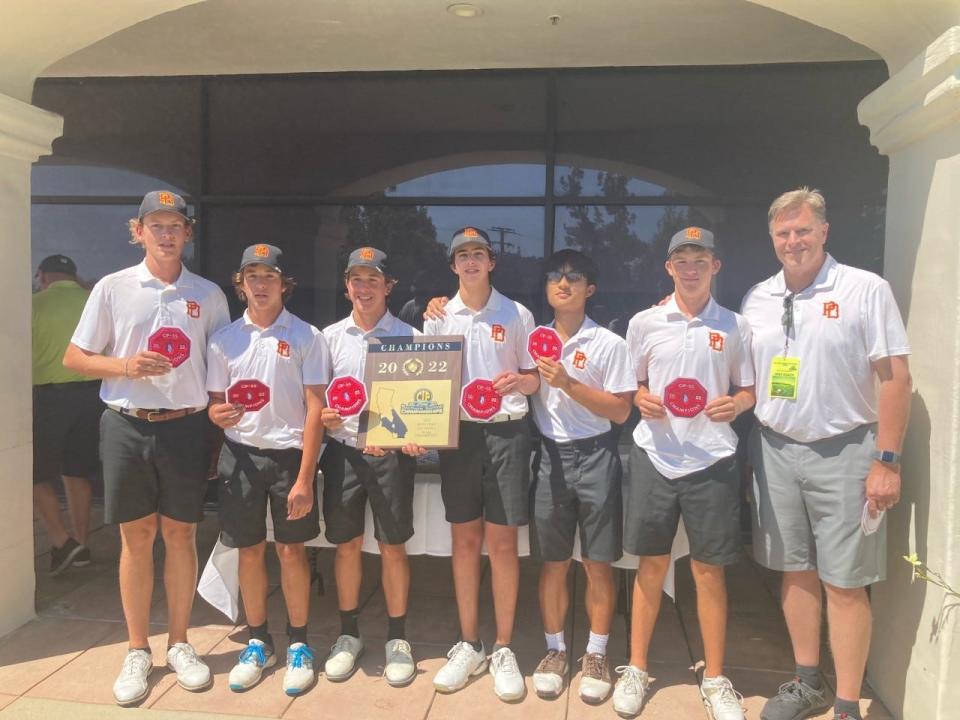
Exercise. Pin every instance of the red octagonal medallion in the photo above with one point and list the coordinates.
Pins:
(252, 394)
(544, 342)
(172, 343)
(479, 400)
(685, 397)
(346, 395)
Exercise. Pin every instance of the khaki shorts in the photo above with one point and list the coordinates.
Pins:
(807, 503)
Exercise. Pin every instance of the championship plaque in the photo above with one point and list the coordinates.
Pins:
(346, 395)
(544, 342)
(172, 343)
(252, 394)
(414, 388)
(685, 397)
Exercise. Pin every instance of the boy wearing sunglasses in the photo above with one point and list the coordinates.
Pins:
(578, 483)
(693, 362)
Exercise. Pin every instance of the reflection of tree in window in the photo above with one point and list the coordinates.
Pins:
(408, 236)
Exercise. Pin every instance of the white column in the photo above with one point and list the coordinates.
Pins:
(914, 118)
(26, 133)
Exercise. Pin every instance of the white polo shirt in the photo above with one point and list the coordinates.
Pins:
(127, 307)
(494, 341)
(712, 348)
(597, 358)
(284, 357)
(348, 352)
(844, 320)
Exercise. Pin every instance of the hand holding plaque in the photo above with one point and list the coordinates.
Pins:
(685, 397)
(252, 394)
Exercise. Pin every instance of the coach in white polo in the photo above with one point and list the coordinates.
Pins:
(144, 330)
(833, 400)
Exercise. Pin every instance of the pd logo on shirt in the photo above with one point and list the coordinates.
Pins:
(498, 333)
(716, 341)
(831, 310)
(193, 308)
(579, 360)
(283, 348)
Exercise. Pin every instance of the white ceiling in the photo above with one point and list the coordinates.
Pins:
(290, 36)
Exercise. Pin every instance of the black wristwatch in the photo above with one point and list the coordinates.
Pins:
(887, 456)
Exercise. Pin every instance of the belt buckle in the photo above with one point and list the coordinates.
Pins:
(158, 413)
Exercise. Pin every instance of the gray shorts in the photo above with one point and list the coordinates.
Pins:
(249, 477)
(807, 503)
(488, 475)
(708, 500)
(351, 478)
(578, 484)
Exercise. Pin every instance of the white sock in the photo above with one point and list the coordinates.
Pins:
(555, 641)
(597, 643)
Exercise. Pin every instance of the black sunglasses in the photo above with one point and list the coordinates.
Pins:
(555, 276)
(787, 319)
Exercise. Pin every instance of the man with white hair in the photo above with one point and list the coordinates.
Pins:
(833, 401)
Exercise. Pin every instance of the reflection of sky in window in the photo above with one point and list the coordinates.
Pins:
(590, 184)
(644, 221)
(93, 180)
(506, 180)
(95, 237)
(526, 224)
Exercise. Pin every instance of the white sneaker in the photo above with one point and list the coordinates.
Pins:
(507, 681)
(343, 658)
(722, 701)
(630, 689)
(400, 667)
(254, 658)
(131, 686)
(192, 672)
(299, 675)
(463, 663)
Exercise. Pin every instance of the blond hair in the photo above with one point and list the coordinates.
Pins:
(796, 199)
(132, 225)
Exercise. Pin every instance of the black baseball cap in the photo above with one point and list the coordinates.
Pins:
(167, 200)
(262, 254)
(58, 264)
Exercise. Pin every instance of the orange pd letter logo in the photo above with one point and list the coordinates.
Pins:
(193, 308)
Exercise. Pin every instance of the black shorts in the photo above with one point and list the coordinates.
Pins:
(488, 476)
(350, 478)
(154, 467)
(578, 484)
(708, 500)
(66, 430)
(248, 476)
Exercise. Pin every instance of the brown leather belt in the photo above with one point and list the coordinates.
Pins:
(155, 415)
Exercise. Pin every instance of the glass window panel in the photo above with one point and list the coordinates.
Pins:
(80, 180)
(317, 240)
(148, 126)
(506, 180)
(365, 136)
(95, 237)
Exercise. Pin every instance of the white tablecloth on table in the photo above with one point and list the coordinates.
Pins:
(220, 584)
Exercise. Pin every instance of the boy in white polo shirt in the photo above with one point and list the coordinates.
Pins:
(144, 331)
(266, 375)
(353, 475)
(485, 482)
(695, 371)
(578, 485)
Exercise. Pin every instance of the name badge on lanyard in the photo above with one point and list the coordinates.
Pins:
(784, 377)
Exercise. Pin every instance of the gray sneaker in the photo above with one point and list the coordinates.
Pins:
(795, 700)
